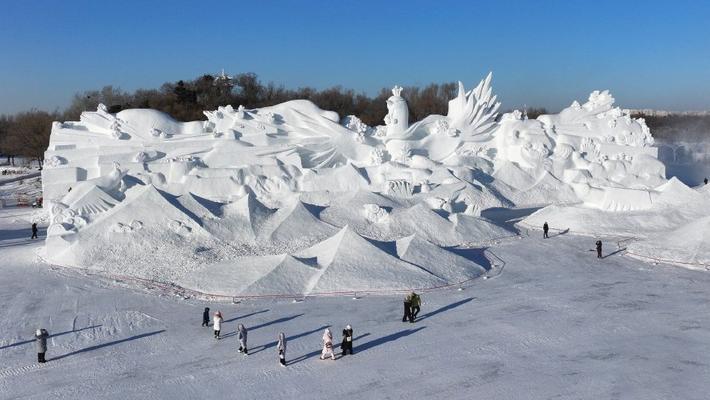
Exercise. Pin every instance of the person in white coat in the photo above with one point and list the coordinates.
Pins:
(41, 336)
(242, 336)
(217, 323)
(281, 348)
(327, 345)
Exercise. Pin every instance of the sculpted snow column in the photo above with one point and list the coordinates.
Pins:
(397, 118)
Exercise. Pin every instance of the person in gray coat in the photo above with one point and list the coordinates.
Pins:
(281, 348)
(41, 336)
(242, 336)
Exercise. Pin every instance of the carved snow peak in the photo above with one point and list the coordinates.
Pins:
(599, 101)
(397, 91)
(474, 113)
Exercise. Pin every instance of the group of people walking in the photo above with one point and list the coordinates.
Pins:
(346, 345)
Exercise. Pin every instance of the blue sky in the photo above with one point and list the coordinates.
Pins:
(652, 54)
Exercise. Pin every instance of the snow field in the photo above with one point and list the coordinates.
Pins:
(556, 322)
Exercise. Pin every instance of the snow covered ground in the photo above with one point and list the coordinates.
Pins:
(556, 323)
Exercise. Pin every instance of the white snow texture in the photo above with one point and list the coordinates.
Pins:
(289, 199)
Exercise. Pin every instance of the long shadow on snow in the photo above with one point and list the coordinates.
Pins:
(560, 233)
(445, 308)
(288, 339)
(245, 316)
(507, 217)
(476, 255)
(115, 342)
(276, 321)
(317, 352)
(389, 338)
(615, 252)
(50, 336)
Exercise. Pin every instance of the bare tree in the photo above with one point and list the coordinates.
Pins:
(29, 134)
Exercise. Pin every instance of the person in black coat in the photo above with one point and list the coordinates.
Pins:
(206, 317)
(545, 228)
(599, 249)
(347, 344)
(34, 230)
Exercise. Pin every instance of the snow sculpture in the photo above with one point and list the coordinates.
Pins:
(180, 227)
(377, 156)
(473, 113)
(241, 112)
(274, 178)
(397, 118)
(522, 141)
(54, 161)
(375, 213)
(400, 188)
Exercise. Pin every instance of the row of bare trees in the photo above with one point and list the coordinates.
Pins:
(26, 134)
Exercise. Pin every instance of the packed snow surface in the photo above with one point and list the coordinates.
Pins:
(293, 199)
(556, 323)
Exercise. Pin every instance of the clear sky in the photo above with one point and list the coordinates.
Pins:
(653, 54)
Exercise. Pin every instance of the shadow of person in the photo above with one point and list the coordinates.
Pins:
(389, 338)
(288, 339)
(245, 316)
(113, 343)
(50, 336)
(317, 352)
(444, 308)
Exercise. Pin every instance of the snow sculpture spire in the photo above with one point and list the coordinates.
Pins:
(474, 112)
(397, 118)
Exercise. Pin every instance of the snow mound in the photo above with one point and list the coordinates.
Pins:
(135, 238)
(688, 246)
(436, 260)
(139, 193)
(349, 260)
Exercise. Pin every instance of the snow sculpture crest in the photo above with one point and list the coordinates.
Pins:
(397, 118)
(473, 113)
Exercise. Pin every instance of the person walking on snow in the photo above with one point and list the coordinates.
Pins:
(416, 304)
(545, 228)
(281, 348)
(34, 230)
(407, 308)
(599, 248)
(327, 345)
(242, 336)
(41, 336)
(347, 344)
(206, 317)
(217, 323)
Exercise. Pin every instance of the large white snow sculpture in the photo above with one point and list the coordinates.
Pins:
(280, 179)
